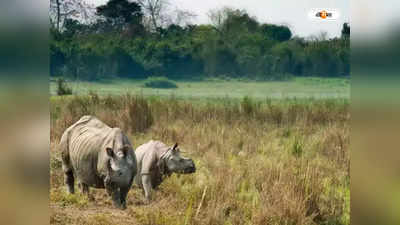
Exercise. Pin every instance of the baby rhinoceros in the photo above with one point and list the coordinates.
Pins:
(98, 156)
(157, 160)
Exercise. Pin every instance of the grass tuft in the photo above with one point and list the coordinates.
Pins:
(62, 87)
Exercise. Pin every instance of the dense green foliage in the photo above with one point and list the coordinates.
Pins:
(238, 46)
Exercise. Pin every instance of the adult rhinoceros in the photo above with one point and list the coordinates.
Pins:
(156, 160)
(98, 156)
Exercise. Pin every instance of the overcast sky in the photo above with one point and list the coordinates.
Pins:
(293, 13)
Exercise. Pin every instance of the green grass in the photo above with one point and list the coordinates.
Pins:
(310, 87)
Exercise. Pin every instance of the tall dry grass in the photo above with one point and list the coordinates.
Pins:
(263, 162)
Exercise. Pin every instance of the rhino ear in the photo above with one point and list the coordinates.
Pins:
(110, 152)
(125, 149)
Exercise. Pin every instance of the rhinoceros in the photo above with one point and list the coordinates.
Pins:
(156, 161)
(98, 156)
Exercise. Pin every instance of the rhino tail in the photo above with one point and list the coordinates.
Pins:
(64, 148)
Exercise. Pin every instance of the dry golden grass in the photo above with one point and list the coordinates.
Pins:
(263, 162)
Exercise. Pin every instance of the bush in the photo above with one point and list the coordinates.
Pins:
(159, 82)
(62, 87)
(248, 106)
(297, 148)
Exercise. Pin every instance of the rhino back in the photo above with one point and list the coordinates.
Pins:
(146, 156)
(88, 140)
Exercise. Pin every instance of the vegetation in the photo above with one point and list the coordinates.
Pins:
(258, 161)
(159, 82)
(266, 152)
(127, 40)
(299, 87)
(62, 87)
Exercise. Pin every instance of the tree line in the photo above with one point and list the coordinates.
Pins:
(137, 39)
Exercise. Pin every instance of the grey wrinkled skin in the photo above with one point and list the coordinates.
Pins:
(155, 161)
(98, 156)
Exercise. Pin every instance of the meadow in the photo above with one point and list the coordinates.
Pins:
(299, 87)
(259, 159)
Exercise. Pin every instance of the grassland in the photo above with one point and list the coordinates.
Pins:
(262, 161)
(300, 87)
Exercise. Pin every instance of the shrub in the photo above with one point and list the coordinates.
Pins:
(62, 87)
(136, 115)
(297, 148)
(130, 113)
(159, 82)
(247, 105)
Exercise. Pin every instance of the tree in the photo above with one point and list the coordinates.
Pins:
(235, 45)
(72, 27)
(155, 12)
(218, 16)
(239, 21)
(56, 5)
(231, 24)
(346, 31)
(159, 14)
(276, 32)
(61, 10)
(182, 17)
(121, 13)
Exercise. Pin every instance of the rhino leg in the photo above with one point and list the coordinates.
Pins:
(114, 192)
(123, 193)
(147, 187)
(69, 180)
(116, 198)
(86, 191)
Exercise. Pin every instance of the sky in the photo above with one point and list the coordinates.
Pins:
(293, 13)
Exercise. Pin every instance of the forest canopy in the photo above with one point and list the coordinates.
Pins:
(140, 39)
